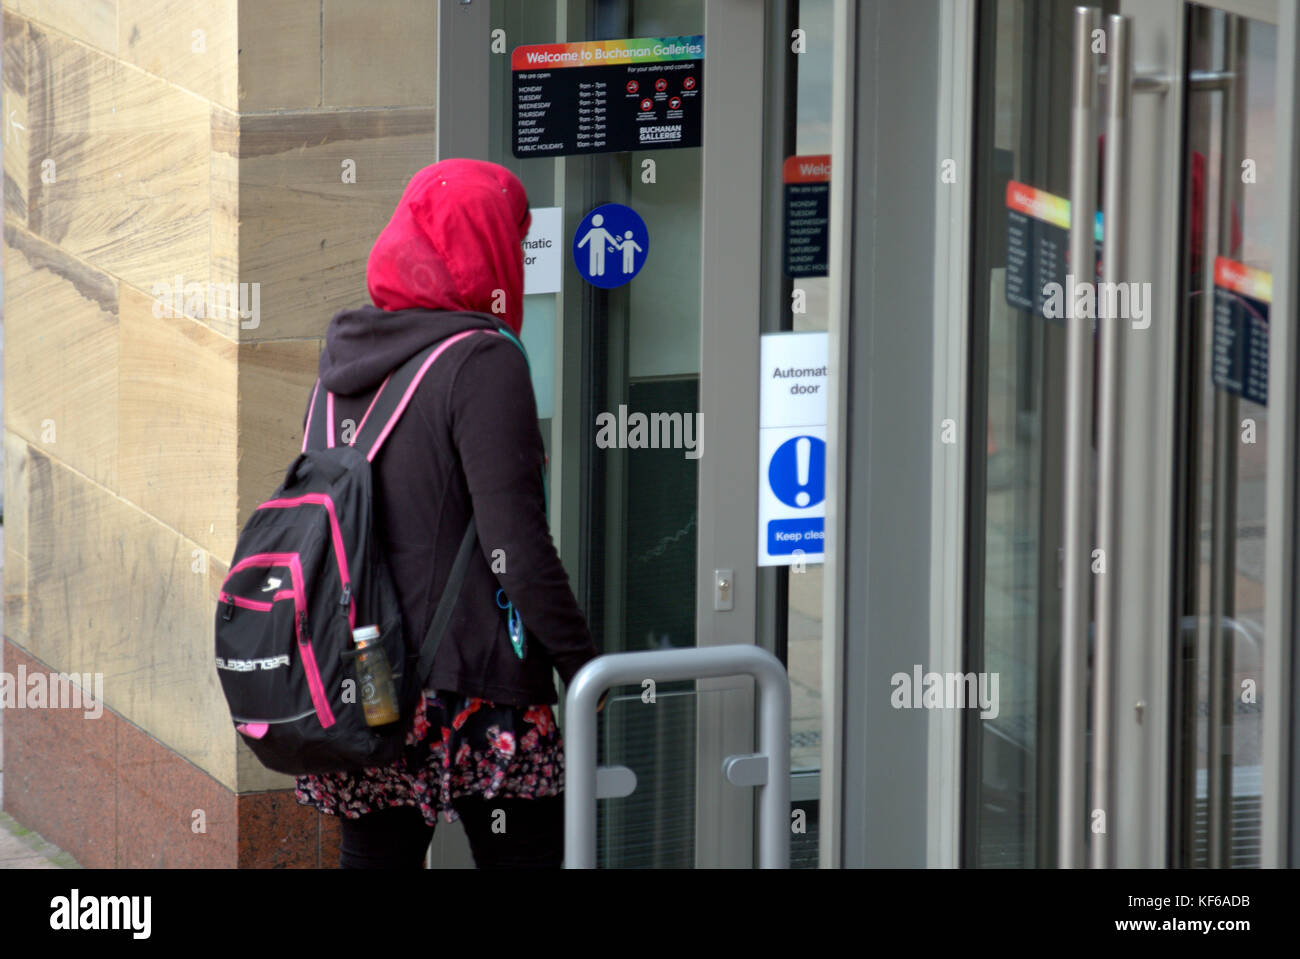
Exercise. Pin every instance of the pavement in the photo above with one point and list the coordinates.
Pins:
(20, 848)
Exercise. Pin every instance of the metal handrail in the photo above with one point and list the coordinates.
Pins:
(768, 769)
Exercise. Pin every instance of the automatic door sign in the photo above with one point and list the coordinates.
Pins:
(610, 245)
(792, 449)
(807, 215)
(1038, 242)
(607, 96)
(1242, 296)
(543, 250)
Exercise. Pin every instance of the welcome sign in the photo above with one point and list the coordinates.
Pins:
(607, 96)
(1242, 297)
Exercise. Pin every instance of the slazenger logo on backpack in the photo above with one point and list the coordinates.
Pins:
(248, 665)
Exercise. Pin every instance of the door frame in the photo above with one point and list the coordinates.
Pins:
(1142, 669)
(1280, 832)
(894, 512)
(731, 305)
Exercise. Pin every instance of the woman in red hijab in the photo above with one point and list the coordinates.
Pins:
(484, 746)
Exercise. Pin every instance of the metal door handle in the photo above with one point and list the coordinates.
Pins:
(1111, 331)
(1078, 409)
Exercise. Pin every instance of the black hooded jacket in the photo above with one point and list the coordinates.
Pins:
(468, 441)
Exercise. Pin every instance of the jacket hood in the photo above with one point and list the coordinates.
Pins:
(455, 242)
(364, 345)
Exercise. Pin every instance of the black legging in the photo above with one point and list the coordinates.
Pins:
(530, 835)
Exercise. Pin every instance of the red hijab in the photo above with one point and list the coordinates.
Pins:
(454, 243)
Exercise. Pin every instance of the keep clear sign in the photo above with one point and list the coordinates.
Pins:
(792, 449)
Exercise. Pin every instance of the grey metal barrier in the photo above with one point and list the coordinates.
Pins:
(768, 769)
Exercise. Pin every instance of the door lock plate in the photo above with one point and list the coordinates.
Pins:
(724, 588)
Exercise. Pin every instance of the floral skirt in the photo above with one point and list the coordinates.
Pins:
(459, 746)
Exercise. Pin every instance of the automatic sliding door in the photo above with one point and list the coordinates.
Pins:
(1214, 447)
(1017, 407)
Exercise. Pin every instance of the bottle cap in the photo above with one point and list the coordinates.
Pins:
(364, 635)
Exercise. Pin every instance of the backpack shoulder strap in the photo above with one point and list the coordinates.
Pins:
(314, 433)
(505, 331)
(447, 602)
(319, 431)
(394, 395)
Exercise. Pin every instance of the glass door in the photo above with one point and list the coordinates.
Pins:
(1133, 431)
(1017, 408)
(1224, 426)
(620, 368)
(625, 513)
(790, 620)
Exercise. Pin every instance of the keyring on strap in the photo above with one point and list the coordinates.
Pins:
(514, 624)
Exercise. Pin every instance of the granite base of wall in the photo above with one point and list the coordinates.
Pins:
(112, 796)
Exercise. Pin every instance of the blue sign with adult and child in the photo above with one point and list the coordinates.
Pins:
(610, 245)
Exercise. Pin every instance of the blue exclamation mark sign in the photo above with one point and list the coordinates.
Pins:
(797, 472)
(802, 449)
(797, 475)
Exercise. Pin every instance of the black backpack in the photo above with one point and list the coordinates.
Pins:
(307, 570)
